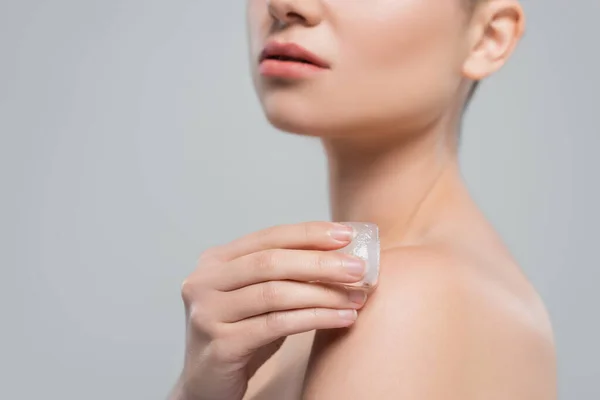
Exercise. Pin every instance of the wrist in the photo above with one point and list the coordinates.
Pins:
(179, 392)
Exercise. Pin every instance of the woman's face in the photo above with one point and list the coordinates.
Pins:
(389, 65)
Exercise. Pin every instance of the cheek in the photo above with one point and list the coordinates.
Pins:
(405, 47)
(389, 30)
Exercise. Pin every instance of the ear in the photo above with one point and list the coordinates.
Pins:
(494, 31)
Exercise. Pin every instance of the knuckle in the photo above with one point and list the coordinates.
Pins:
(266, 233)
(202, 315)
(322, 264)
(276, 321)
(319, 263)
(313, 231)
(270, 294)
(209, 255)
(266, 260)
(315, 312)
(200, 319)
(187, 291)
(193, 288)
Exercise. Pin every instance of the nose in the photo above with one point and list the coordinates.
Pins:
(288, 12)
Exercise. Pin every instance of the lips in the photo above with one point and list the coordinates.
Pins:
(290, 52)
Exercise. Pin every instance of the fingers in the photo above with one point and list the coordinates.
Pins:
(297, 265)
(268, 285)
(259, 331)
(318, 235)
(273, 296)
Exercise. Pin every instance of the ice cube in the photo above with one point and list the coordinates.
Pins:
(365, 245)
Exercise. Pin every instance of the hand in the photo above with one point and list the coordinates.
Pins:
(246, 297)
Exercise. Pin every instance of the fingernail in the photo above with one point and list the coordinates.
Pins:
(354, 266)
(357, 296)
(348, 314)
(342, 233)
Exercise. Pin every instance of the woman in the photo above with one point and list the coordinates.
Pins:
(383, 84)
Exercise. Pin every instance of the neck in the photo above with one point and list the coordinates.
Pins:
(404, 187)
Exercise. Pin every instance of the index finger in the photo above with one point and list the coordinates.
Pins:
(315, 235)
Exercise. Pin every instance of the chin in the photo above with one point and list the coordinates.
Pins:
(299, 115)
(299, 126)
(322, 117)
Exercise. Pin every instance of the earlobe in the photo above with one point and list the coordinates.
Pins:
(496, 30)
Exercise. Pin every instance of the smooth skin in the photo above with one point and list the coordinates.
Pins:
(246, 297)
(453, 316)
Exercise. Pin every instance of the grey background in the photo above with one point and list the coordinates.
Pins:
(131, 140)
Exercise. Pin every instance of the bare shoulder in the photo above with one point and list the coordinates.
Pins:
(441, 324)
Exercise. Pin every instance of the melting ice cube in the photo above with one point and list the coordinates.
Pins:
(365, 245)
